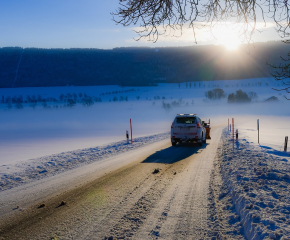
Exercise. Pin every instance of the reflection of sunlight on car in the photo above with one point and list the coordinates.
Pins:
(188, 128)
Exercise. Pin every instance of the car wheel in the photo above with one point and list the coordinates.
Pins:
(173, 144)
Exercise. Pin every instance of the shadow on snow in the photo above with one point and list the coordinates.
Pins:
(275, 152)
(174, 154)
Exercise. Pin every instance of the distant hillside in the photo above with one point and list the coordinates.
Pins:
(32, 67)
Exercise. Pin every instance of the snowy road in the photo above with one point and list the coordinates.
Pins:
(119, 197)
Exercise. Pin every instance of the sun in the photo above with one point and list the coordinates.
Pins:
(230, 44)
(227, 36)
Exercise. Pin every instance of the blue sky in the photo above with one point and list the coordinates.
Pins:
(78, 24)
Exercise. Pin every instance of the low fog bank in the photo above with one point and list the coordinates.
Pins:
(29, 134)
(34, 132)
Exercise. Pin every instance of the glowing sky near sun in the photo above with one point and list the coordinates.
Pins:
(88, 24)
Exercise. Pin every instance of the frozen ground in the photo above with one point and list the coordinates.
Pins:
(255, 189)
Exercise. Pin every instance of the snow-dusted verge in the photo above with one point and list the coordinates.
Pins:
(33, 169)
(258, 184)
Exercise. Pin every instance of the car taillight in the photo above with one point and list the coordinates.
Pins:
(198, 125)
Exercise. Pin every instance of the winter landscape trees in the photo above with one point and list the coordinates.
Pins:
(239, 96)
(216, 93)
(133, 66)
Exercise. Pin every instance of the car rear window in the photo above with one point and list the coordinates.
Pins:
(185, 120)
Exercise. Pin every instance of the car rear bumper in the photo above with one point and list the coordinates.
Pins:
(186, 139)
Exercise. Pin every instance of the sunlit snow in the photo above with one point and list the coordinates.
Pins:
(29, 133)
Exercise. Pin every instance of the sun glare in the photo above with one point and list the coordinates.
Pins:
(230, 45)
(227, 37)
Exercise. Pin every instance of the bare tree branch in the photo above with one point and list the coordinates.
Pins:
(159, 17)
(282, 73)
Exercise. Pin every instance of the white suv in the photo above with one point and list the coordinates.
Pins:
(188, 128)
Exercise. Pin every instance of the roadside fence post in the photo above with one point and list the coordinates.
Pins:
(258, 128)
(127, 136)
(131, 130)
(233, 122)
(285, 144)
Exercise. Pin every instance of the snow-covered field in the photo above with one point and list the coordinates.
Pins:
(35, 132)
(44, 140)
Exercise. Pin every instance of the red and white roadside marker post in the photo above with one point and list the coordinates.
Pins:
(131, 130)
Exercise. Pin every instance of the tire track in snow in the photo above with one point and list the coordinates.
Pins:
(129, 220)
(176, 206)
(182, 212)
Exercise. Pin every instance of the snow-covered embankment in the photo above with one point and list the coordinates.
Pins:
(258, 184)
(13, 175)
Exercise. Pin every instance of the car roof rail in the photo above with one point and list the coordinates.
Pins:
(186, 114)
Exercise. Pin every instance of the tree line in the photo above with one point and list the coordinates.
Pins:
(33, 67)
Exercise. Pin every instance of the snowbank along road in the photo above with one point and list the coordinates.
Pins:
(253, 186)
(156, 191)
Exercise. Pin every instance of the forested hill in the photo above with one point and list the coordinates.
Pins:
(33, 67)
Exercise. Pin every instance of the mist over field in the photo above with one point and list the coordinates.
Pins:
(32, 132)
